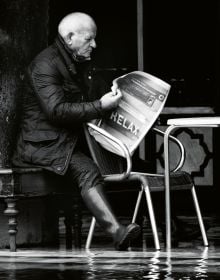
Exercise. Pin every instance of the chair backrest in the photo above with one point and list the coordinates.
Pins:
(107, 162)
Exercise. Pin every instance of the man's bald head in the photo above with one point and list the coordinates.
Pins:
(75, 22)
(78, 31)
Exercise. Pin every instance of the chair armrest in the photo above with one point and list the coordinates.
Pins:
(180, 146)
(202, 121)
(120, 144)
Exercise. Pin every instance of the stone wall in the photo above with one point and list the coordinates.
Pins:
(23, 33)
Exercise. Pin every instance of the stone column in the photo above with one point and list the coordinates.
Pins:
(23, 34)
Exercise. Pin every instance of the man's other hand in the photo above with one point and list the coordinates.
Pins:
(111, 99)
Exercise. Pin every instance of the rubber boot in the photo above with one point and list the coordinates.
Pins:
(97, 203)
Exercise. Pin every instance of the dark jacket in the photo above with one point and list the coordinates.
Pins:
(61, 97)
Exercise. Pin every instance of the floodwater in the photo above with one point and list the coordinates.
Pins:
(190, 260)
(184, 263)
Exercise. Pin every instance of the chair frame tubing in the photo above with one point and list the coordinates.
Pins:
(170, 129)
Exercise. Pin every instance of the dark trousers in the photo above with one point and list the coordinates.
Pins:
(84, 172)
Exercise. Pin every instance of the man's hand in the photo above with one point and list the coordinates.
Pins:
(111, 99)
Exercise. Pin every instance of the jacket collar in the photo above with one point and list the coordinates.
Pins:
(66, 56)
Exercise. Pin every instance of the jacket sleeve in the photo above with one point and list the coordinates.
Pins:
(47, 83)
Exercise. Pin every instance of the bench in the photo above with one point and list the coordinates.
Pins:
(25, 183)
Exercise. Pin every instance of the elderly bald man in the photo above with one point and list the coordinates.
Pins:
(62, 96)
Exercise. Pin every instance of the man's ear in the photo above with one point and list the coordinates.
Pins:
(69, 38)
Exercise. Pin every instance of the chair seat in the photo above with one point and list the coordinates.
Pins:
(178, 181)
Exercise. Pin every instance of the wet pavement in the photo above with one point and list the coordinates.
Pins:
(190, 260)
(180, 263)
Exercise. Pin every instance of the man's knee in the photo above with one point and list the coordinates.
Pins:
(90, 180)
(84, 172)
(86, 179)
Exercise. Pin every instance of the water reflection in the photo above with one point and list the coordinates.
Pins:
(154, 267)
(201, 269)
(89, 265)
(195, 266)
(168, 268)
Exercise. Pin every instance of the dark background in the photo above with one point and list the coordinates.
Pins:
(181, 43)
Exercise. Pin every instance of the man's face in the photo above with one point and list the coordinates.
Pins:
(83, 42)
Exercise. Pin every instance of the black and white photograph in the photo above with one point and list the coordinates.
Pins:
(109, 140)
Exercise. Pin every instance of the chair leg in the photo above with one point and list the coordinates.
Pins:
(140, 193)
(152, 217)
(198, 212)
(12, 213)
(90, 234)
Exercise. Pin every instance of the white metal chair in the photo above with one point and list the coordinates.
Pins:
(111, 167)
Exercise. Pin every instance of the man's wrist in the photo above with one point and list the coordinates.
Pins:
(100, 105)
